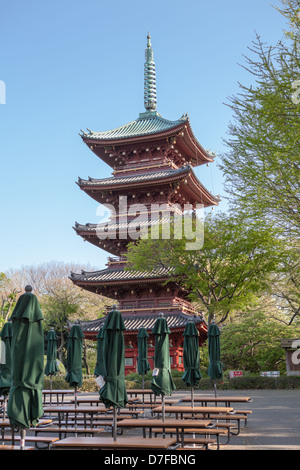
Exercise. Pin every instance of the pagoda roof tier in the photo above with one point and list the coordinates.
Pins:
(114, 276)
(197, 191)
(134, 322)
(114, 182)
(113, 228)
(109, 236)
(148, 128)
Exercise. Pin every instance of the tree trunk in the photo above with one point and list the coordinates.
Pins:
(84, 358)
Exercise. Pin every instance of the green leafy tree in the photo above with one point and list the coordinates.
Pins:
(230, 269)
(8, 299)
(59, 307)
(252, 343)
(262, 162)
(261, 165)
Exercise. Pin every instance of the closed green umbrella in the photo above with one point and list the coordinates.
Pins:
(74, 358)
(51, 364)
(5, 362)
(162, 382)
(191, 357)
(113, 393)
(25, 404)
(99, 364)
(214, 352)
(143, 364)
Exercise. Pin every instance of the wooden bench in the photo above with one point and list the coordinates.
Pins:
(225, 417)
(123, 443)
(67, 430)
(198, 441)
(107, 423)
(206, 432)
(9, 447)
(233, 417)
(44, 439)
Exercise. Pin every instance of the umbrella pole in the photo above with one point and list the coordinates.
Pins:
(50, 390)
(215, 387)
(163, 413)
(50, 394)
(192, 400)
(4, 408)
(22, 440)
(75, 395)
(115, 424)
(143, 382)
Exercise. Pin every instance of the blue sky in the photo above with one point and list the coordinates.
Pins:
(71, 65)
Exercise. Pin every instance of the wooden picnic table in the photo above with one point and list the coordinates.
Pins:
(204, 400)
(5, 424)
(85, 411)
(151, 423)
(60, 395)
(93, 400)
(206, 411)
(109, 443)
(144, 405)
(147, 391)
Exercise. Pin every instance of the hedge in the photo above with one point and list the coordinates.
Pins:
(238, 383)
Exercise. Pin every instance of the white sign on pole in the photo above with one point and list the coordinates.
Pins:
(270, 373)
(235, 373)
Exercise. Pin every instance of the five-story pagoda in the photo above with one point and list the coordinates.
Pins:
(152, 160)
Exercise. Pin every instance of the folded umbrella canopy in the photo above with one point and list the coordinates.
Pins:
(113, 393)
(99, 364)
(191, 357)
(214, 352)
(143, 364)
(51, 364)
(162, 382)
(74, 356)
(5, 362)
(74, 360)
(24, 406)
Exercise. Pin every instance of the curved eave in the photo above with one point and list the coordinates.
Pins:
(176, 322)
(192, 147)
(123, 282)
(95, 185)
(105, 276)
(206, 198)
(146, 125)
(98, 145)
(185, 138)
(198, 191)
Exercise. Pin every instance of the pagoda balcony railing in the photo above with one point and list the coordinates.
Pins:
(117, 259)
(142, 166)
(154, 308)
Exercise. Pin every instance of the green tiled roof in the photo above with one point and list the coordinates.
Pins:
(109, 274)
(137, 178)
(147, 123)
(134, 322)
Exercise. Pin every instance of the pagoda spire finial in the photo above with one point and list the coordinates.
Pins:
(149, 78)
